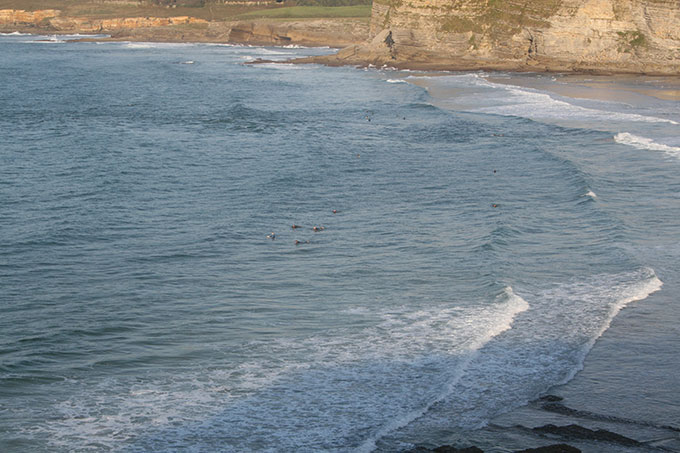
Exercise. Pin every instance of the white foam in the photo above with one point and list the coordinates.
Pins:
(333, 383)
(137, 45)
(156, 45)
(501, 323)
(282, 66)
(46, 42)
(15, 33)
(264, 51)
(328, 389)
(221, 44)
(510, 100)
(620, 297)
(591, 194)
(58, 39)
(638, 142)
(396, 81)
(80, 35)
(534, 104)
(547, 346)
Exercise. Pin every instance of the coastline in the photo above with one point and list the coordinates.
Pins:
(362, 56)
(279, 39)
(350, 36)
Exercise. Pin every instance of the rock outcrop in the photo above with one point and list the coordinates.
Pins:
(635, 36)
(573, 432)
(51, 19)
(333, 33)
(339, 32)
(555, 448)
(21, 17)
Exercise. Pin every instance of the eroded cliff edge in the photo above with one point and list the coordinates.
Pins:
(600, 36)
(333, 32)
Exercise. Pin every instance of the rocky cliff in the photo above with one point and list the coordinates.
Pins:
(636, 36)
(337, 32)
(51, 19)
(333, 33)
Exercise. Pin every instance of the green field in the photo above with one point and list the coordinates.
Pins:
(102, 9)
(307, 12)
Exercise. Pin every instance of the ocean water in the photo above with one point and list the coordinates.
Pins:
(481, 233)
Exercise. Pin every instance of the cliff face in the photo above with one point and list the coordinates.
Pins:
(21, 17)
(640, 36)
(332, 33)
(339, 32)
(51, 19)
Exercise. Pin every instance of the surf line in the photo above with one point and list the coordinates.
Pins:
(513, 306)
(645, 289)
(645, 143)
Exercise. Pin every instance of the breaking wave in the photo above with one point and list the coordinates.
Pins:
(352, 388)
(638, 142)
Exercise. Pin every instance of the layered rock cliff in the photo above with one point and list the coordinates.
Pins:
(637, 36)
(51, 19)
(333, 33)
(337, 32)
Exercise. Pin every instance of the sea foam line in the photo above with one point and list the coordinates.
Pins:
(544, 348)
(537, 102)
(640, 292)
(513, 306)
(638, 142)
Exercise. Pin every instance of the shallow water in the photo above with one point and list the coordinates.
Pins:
(486, 235)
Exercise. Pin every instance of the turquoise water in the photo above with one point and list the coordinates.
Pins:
(479, 236)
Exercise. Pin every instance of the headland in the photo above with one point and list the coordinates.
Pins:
(569, 36)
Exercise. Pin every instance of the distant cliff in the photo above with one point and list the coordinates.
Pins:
(333, 32)
(51, 19)
(635, 36)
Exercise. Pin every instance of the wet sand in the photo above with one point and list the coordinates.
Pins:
(616, 88)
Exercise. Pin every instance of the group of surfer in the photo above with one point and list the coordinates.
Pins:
(315, 228)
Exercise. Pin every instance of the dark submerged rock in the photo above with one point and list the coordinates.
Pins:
(447, 449)
(579, 432)
(556, 448)
(450, 449)
(549, 398)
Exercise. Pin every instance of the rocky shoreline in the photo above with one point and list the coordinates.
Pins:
(551, 40)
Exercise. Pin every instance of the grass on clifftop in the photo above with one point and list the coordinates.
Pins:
(99, 9)
(307, 12)
(102, 9)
